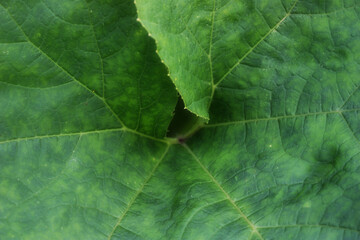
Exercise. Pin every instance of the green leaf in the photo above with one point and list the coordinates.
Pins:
(85, 103)
(235, 54)
(79, 66)
(83, 100)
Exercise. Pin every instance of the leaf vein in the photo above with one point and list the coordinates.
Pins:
(279, 117)
(98, 48)
(84, 133)
(257, 44)
(252, 226)
(61, 68)
(311, 226)
(210, 55)
(132, 201)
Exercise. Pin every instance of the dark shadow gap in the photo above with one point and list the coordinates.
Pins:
(184, 124)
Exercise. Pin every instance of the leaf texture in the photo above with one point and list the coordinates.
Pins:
(79, 66)
(85, 103)
(256, 59)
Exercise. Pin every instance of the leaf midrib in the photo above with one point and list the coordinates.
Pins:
(340, 111)
(86, 133)
(171, 140)
(210, 53)
(257, 43)
(213, 179)
(215, 85)
(139, 191)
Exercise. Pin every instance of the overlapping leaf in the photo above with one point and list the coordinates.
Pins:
(235, 54)
(79, 66)
(282, 82)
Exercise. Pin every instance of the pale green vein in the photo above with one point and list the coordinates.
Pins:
(252, 226)
(140, 95)
(52, 181)
(210, 49)
(92, 208)
(123, 129)
(347, 99)
(257, 44)
(10, 43)
(61, 68)
(310, 226)
(165, 140)
(132, 201)
(79, 82)
(194, 37)
(36, 88)
(280, 117)
(188, 220)
(62, 135)
(325, 14)
(48, 57)
(60, 18)
(347, 123)
(98, 48)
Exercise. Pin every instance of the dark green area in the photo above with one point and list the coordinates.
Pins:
(184, 124)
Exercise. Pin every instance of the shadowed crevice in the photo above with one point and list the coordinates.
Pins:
(184, 124)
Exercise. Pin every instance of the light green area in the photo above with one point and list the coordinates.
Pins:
(256, 59)
(72, 187)
(85, 104)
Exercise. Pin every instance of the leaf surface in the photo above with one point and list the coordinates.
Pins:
(79, 66)
(85, 102)
(281, 152)
(234, 54)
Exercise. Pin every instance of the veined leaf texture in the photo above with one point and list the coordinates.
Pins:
(89, 88)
